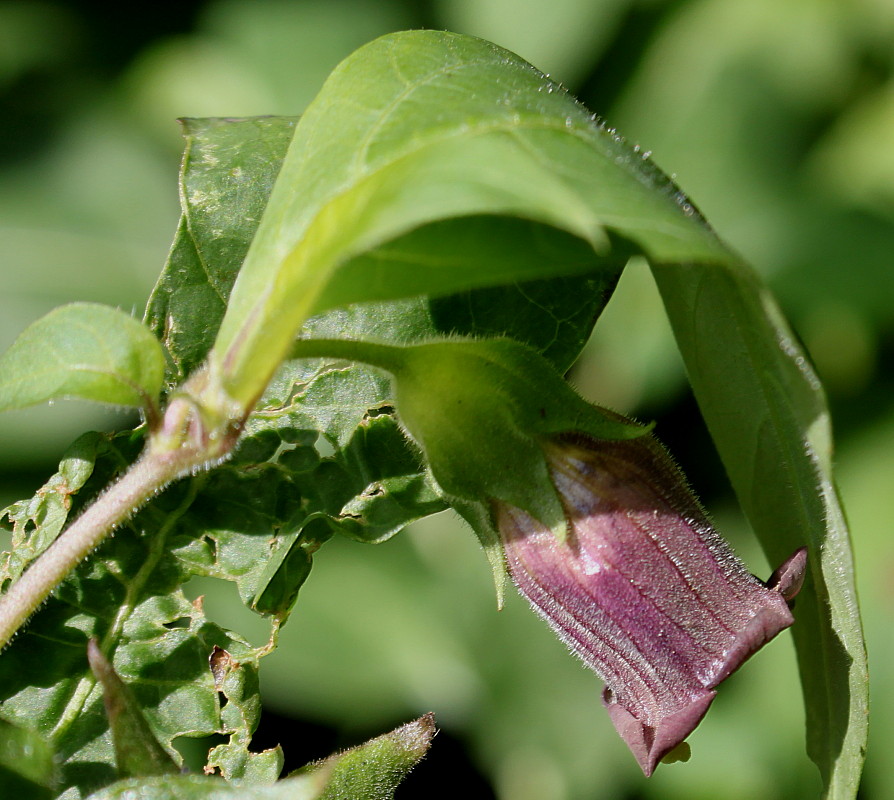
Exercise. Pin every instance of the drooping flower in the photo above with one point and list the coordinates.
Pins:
(643, 589)
(595, 523)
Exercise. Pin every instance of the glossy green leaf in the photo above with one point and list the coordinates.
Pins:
(86, 351)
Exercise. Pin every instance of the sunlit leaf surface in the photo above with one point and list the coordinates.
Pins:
(86, 351)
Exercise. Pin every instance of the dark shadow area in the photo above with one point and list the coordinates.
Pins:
(446, 769)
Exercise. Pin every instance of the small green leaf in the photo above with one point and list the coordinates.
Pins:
(397, 196)
(86, 351)
(137, 751)
(374, 770)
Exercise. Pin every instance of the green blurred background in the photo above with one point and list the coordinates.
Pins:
(776, 116)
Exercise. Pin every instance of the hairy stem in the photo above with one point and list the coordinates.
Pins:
(149, 474)
(182, 442)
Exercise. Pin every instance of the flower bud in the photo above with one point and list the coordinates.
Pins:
(642, 589)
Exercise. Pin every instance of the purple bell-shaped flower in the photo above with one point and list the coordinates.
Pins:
(643, 589)
(595, 523)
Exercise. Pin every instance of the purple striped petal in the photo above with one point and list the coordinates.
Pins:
(643, 590)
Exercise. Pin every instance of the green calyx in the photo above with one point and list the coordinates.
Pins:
(480, 410)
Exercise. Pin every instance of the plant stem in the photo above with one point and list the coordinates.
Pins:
(384, 356)
(186, 437)
(146, 477)
(192, 435)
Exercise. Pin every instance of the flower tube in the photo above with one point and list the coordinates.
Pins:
(643, 589)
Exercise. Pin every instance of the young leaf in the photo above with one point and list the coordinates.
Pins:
(223, 524)
(373, 770)
(86, 351)
(137, 751)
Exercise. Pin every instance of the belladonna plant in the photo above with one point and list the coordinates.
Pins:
(598, 529)
(438, 192)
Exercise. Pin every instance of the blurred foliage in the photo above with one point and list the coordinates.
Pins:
(776, 117)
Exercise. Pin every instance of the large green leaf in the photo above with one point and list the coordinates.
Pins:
(221, 214)
(767, 415)
(86, 351)
(383, 190)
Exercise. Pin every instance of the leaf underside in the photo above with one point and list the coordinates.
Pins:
(85, 351)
